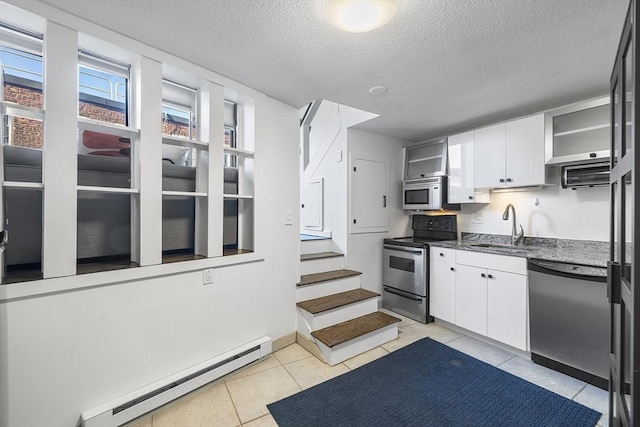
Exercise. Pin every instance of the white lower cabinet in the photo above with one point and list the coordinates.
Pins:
(507, 308)
(471, 298)
(488, 295)
(442, 292)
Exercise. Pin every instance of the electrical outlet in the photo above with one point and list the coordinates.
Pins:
(207, 276)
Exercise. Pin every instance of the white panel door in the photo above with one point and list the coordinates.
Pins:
(442, 290)
(525, 152)
(368, 193)
(461, 182)
(471, 298)
(507, 308)
(313, 205)
(489, 156)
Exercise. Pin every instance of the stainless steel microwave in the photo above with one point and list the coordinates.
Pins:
(426, 194)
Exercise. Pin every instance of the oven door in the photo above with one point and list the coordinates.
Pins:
(405, 268)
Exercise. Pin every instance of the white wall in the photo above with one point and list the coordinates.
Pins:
(67, 352)
(365, 249)
(582, 214)
(329, 161)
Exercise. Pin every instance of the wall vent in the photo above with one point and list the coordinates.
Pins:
(144, 400)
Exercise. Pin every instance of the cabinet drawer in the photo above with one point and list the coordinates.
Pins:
(511, 264)
(442, 254)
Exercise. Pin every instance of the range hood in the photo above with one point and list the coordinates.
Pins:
(586, 175)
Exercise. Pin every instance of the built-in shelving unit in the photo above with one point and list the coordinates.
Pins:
(239, 152)
(108, 128)
(238, 196)
(23, 185)
(178, 141)
(97, 189)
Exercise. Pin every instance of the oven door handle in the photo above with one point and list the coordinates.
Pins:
(402, 295)
(394, 248)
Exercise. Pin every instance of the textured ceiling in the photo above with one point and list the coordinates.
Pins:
(450, 65)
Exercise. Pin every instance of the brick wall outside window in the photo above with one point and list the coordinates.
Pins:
(28, 133)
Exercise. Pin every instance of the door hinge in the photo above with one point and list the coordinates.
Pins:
(613, 282)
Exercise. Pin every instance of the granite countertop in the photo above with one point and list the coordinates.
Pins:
(585, 252)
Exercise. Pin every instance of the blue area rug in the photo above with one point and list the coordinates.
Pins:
(429, 384)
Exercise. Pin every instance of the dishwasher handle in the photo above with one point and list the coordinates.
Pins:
(569, 270)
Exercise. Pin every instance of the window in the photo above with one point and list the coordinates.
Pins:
(103, 89)
(179, 109)
(106, 190)
(238, 184)
(22, 140)
(182, 190)
(230, 132)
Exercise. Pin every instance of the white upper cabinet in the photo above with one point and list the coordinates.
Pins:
(489, 156)
(578, 133)
(426, 159)
(510, 154)
(525, 152)
(462, 188)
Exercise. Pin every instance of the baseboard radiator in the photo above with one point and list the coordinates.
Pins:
(144, 400)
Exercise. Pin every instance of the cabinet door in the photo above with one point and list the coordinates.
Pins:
(507, 308)
(368, 195)
(425, 159)
(442, 290)
(461, 184)
(489, 156)
(471, 298)
(525, 152)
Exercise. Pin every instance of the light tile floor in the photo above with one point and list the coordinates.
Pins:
(240, 398)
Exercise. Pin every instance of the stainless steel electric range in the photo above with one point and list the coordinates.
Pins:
(405, 275)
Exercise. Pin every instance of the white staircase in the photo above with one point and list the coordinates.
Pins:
(337, 319)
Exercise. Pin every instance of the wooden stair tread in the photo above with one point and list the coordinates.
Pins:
(345, 331)
(326, 276)
(319, 255)
(318, 305)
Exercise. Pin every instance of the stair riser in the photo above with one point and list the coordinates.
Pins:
(323, 289)
(323, 264)
(315, 246)
(308, 322)
(364, 343)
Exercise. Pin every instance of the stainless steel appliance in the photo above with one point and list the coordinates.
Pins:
(569, 319)
(426, 194)
(405, 275)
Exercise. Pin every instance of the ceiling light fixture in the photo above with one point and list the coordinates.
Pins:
(359, 16)
(378, 90)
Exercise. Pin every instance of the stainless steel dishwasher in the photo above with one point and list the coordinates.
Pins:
(569, 319)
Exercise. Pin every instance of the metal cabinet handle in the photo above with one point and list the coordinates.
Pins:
(441, 254)
(483, 275)
(509, 180)
(453, 269)
(490, 276)
(501, 179)
(384, 201)
(470, 197)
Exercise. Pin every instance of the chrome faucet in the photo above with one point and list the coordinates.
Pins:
(516, 237)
